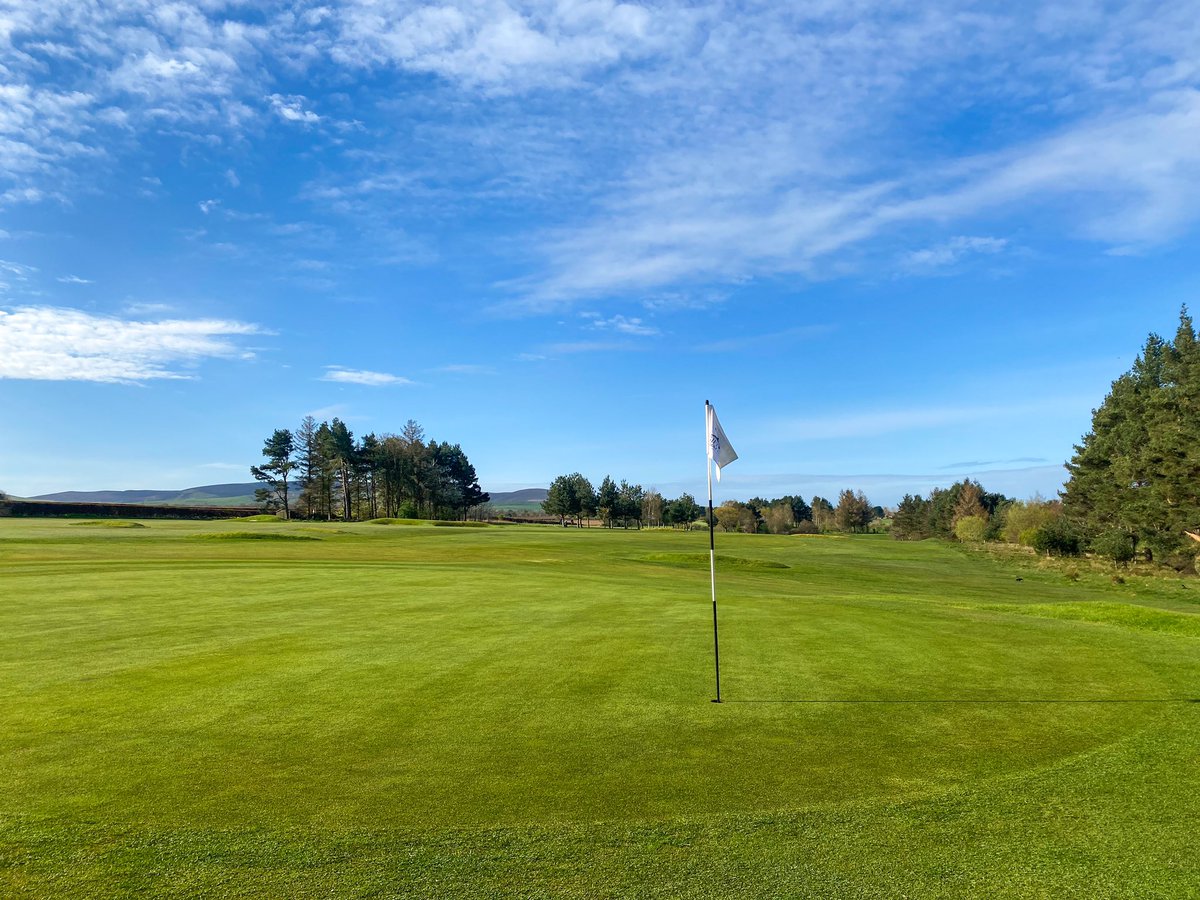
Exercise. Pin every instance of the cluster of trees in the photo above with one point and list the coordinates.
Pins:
(575, 501)
(967, 513)
(321, 471)
(853, 514)
(1135, 478)
(964, 511)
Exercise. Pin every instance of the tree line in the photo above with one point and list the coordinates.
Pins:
(574, 500)
(321, 471)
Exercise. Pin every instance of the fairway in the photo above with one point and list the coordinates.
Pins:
(271, 709)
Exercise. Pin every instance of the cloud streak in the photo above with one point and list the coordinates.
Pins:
(342, 375)
(53, 344)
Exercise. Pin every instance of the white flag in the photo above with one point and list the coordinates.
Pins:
(720, 450)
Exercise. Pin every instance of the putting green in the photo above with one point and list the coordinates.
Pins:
(526, 710)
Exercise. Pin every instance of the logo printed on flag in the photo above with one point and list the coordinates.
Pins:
(720, 451)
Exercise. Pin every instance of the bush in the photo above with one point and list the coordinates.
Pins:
(1023, 517)
(407, 510)
(805, 526)
(1056, 538)
(1116, 545)
(1027, 537)
(971, 529)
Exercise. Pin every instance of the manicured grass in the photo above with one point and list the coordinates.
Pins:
(525, 711)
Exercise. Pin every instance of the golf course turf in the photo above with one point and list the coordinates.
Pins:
(187, 709)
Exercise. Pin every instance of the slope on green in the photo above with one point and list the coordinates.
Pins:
(525, 711)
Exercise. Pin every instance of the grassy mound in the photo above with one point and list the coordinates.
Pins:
(111, 523)
(261, 517)
(446, 524)
(253, 536)
(700, 560)
(387, 521)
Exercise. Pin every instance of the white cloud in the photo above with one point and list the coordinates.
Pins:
(74, 279)
(53, 344)
(498, 44)
(291, 109)
(361, 376)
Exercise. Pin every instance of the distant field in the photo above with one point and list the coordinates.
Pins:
(357, 710)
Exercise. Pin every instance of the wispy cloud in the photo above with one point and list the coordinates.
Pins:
(74, 279)
(293, 109)
(53, 344)
(343, 375)
(948, 253)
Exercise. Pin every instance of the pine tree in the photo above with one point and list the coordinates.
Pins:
(278, 450)
(1138, 470)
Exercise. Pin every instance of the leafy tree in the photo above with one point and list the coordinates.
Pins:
(1022, 516)
(971, 529)
(1057, 538)
(779, 517)
(583, 497)
(822, 513)
(682, 511)
(729, 515)
(278, 450)
(652, 508)
(853, 511)
(560, 498)
(629, 502)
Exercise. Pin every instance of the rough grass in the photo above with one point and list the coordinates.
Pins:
(525, 712)
(261, 517)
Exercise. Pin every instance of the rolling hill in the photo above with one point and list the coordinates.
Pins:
(242, 494)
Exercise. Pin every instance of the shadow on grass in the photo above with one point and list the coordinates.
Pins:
(947, 700)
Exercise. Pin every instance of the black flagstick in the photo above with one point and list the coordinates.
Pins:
(712, 552)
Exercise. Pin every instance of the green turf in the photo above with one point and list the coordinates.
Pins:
(525, 711)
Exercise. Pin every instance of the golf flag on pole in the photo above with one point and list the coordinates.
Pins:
(720, 451)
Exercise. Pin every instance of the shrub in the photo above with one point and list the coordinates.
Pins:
(805, 526)
(971, 529)
(1056, 538)
(1027, 537)
(1116, 545)
(407, 510)
(1022, 517)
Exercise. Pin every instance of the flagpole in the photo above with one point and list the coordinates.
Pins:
(712, 559)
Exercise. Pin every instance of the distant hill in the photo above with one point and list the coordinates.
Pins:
(243, 495)
(526, 498)
(206, 495)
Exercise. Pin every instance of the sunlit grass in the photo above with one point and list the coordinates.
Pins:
(525, 711)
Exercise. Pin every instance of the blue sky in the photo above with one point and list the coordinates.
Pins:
(893, 243)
